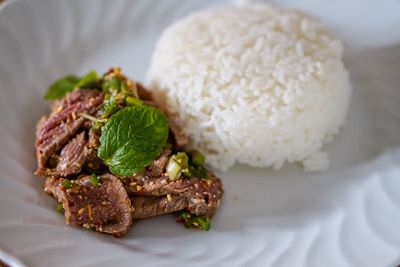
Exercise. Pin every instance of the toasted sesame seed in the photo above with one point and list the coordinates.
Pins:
(80, 211)
(90, 212)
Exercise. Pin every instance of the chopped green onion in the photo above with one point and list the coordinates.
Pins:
(173, 169)
(111, 84)
(91, 118)
(66, 184)
(113, 80)
(180, 164)
(97, 127)
(94, 180)
(193, 221)
(88, 226)
(197, 158)
(182, 159)
(131, 101)
(177, 165)
(198, 171)
(184, 215)
(60, 207)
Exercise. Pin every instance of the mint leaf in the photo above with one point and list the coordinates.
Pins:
(132, 138)
(90, 80)
(60, 87)
(68, 83)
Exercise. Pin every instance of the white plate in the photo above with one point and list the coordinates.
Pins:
(347, 216)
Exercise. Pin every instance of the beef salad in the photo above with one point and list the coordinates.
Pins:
(110, 155)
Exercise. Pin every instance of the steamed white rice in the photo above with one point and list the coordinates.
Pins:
(257, 84)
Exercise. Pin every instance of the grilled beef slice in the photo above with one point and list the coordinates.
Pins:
(105, 208)
(54, 132)
(145, 207)
(72, 157)
(158, 165)
(179, 137)
(203, 195)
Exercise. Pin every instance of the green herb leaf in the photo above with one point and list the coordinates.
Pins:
(94, 180)
(66, 184)
(60, 207)
(196, 168)
(68, 83)
(109, 107)
(60, 87)
(197, 158)
(90, 80)
(111, 84)
(132, 138)
(193, 221)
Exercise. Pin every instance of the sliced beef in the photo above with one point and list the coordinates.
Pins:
(72, 156)
(145, 207)
(93, 162)
(58, 138)
(52, 186)
(64, 122)
(180, 138)
(203, 195)
(78, 101)
(94, 139)
(77, 156)
(105, 208)
(144, 94)
(157, 167)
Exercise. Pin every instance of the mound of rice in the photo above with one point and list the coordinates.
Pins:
(257, 84)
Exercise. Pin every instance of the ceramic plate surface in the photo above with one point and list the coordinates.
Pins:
(346, 216)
